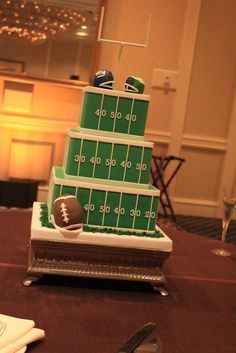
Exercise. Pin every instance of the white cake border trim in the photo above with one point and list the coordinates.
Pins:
(38, 232)
(113, 92)
(151, 191)
(76, 133)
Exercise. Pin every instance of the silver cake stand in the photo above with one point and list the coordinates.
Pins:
(103, 256)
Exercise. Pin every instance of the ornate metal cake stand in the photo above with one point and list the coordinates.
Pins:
(49, 255)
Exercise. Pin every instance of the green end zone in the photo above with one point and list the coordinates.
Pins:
(45, 223)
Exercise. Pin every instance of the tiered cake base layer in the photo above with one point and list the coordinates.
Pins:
(98, 255)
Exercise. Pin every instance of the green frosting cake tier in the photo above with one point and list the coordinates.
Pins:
(108, 206)
(45, 223)
(107, 158)
(107, 165)
(114, 111)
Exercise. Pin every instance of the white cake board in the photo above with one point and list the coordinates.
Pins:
(129, 241)
(100, 255)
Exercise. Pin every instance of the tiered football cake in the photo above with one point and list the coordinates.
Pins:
(111, 232)
(107, 164)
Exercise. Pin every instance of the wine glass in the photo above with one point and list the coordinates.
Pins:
(229, 203)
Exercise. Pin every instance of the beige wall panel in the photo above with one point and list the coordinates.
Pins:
(234, 184)
(160, 149)
(62, 59)
(56, 102)
(5, 138)
(1, 93)
(160, 110)
(17, 96)
(83, 63)
(30, 160)
(199, 177)
(34, 136)
(127, 20)
(53, 109)
(213, 75)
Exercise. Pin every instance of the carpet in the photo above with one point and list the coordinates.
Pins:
(92, 315)
(209, 227)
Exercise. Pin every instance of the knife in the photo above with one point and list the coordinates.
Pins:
(152, 345)
(134, 340)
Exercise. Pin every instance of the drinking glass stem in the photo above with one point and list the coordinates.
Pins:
(225, 228)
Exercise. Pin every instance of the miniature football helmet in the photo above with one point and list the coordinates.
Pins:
(134, 84)
(104, 79)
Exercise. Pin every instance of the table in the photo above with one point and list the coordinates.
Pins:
(90, 315)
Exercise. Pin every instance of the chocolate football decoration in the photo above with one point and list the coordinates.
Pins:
(68, 213)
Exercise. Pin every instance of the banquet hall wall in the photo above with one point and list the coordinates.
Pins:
(195, 40)
(197, 121)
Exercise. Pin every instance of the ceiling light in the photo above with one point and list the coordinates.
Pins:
(35, 21)
(82, 34)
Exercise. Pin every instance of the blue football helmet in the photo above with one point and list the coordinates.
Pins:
(104, 79)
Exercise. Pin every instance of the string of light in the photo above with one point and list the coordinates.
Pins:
(36, 21)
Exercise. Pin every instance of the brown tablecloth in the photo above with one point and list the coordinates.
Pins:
(96, 316)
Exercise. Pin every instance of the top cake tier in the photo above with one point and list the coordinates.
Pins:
(119, 113)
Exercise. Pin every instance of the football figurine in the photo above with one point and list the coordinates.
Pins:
(134, 84)
(104, 79)
(68, 215)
